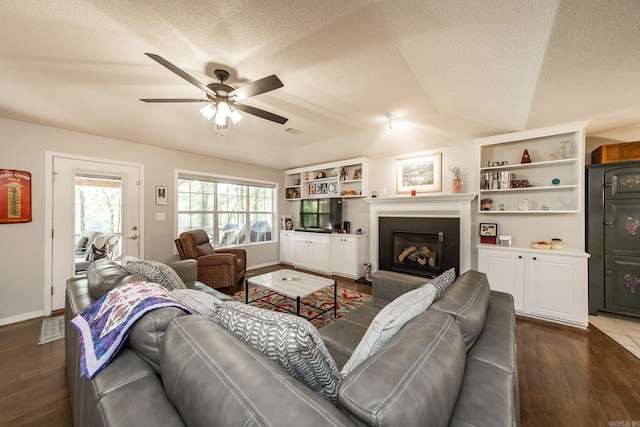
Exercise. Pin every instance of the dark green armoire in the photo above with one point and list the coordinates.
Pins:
(613, 237)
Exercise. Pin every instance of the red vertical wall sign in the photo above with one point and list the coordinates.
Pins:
(15, 196)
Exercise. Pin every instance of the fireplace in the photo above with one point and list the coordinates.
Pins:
(419, 246)
(431, 206)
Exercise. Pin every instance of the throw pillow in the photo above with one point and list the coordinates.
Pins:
(291, 341)
(443, 281)
(388, 321)
(198, 302)
(156, 272)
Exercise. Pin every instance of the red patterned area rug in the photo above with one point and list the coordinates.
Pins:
(347, 301)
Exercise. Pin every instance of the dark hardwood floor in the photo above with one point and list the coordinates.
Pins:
(568, 377)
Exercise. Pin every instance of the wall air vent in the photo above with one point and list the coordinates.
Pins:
(293, 131)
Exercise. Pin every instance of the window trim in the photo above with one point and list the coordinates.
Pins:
(228, 179)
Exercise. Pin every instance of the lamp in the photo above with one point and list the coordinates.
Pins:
(208, 111)
(220, 112)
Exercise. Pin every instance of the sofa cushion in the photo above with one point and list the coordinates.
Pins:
(148, 333)
(214, 378)
(291, 341)
(443, 281)
(467, 301)
(412, 380)
(154, 271)
(388, 321)
(342, 338)
(103, 275)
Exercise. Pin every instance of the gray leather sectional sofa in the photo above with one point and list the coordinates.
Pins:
(455, 364)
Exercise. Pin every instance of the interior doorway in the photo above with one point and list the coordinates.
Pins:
(96, 212)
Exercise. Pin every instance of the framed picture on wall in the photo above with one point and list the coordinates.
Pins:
(419, 173)
(161, 195)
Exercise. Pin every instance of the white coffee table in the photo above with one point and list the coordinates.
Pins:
(295, 285)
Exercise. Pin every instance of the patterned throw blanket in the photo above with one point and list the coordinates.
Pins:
(105, 326)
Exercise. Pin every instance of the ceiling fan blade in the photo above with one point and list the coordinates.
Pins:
(174, 100)
(261, 113)
(197, 83)
(257, 87)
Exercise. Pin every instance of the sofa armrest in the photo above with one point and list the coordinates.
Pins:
(389, 285)
(187, 269)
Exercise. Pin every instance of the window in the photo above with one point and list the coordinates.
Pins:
(231, 212)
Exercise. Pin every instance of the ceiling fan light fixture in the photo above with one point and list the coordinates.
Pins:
(221, 120)
(235, 116)
(208, 111)
(223, 110)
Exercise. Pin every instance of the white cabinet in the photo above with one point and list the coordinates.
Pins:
(349, 253)
(286, 247)
(551, 285)
(505, 271)
(339, 254)
(346, 178)
(553, 180)
(312, 251)
(558, 287)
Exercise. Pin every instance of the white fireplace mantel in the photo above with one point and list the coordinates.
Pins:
(427, 206)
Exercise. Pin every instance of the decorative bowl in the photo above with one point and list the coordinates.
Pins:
(540, 245)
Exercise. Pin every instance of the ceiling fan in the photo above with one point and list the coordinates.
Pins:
(223, 99)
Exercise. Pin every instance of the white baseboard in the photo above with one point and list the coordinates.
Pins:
(21, 317)
(266, 264)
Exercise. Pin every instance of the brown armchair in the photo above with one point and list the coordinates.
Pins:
(216, 268)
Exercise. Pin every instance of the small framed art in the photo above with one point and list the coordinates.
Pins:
(161, 195)
(488, 232)
(287, 222)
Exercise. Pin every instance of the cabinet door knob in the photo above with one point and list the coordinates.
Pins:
(608, 223)
(609, 185)
(534, 258)
(519, 256)
(609, 272)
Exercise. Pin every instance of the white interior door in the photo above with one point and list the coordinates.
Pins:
(91, 195)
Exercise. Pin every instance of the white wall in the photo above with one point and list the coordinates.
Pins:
(21, 252)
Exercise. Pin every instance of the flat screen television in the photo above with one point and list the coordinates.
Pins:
(321, 214)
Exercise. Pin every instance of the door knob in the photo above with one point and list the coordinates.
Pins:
(134, 237)
(134, 228)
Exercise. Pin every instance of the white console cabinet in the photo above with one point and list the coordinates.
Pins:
(312, 251)
(349, 255)
(339, 254)
(551, 285)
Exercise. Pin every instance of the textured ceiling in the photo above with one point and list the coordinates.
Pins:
(450, 70)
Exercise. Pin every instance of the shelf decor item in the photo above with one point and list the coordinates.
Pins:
(525, 157)
(457, 180)
(525, 205)
(488, 233)
(419, 173)
(287, 222)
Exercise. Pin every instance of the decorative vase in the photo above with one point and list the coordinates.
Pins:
(457, 185)
(368, 276)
